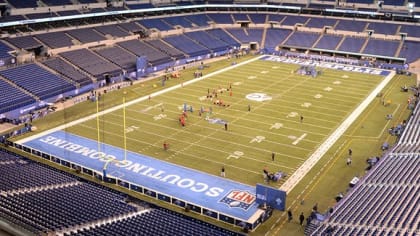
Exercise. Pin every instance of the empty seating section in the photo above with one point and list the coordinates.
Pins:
(91, 63)
(177, 21)
(187, 45)
(411, 135)
(86, 35)
(410, 50)
(6, 157)
(45, 201)
(383, 28)
(411, 30)
(130, 26)
(57, 2)
(221, 18)
(199, 20)
(247, 35)
(68, 13)
(302, 39)
(321, 22)
(112, 30)
(329, 42)
(381, 47)
(37, 80)
(387, 199)
(119, 56)
(225, 37)
(258, 18)
(68, 70)
(29, 175)
(352, 44)
(293, 20)
(166, 48)
(140, 6)
(24, 3)
(207, 40)
(276, 18)
(394, 184)
(294, 4)
(40, 15)
(140, 48)
(274, 37)
(240, 17)
(24, 42)
(12, 98)
(351, 25)
(390, 168)
(12, 18)
(70, 205)
(155, 221)
(55, 39)
(394, 2)
(4, 51)
(320, 6)
(155, 24)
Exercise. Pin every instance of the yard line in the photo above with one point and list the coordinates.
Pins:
(215, 139)
(194, 156)
(109, 110)
(255, 121)
(304, 169)
(182, 150)
(271, 104)
(265, 116)
(299, 139)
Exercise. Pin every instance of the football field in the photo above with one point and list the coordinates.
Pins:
(266, 106)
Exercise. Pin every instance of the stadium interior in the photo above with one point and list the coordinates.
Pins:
(59, 52)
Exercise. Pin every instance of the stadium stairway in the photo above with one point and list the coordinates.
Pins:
(310, 228)
(317, 41)
(364, 45)
(263, 37)
(58, 74)
(40, 188)
(231, 35)
(97, 223)
(287, 38)
(93, 78)
(341, 42)
(397, 52)
(246, 32)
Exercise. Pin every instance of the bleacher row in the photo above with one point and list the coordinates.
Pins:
(77, 68)
(43, 200)
(88, 35)
(387, 200)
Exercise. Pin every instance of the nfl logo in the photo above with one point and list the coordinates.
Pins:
(239, 198)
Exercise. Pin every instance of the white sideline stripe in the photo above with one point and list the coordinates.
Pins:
(299, 139)
(112, 109)
(298, 175)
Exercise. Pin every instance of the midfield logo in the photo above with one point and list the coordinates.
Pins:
(239, 198)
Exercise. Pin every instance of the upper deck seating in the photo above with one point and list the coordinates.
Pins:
(139, 48)
(186, 45)
(55, 39)
(91, 63)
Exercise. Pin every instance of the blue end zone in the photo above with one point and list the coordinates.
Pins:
(328, 65)
(215, 193)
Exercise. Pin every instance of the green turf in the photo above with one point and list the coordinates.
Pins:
(245, 149)
(324, 102)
